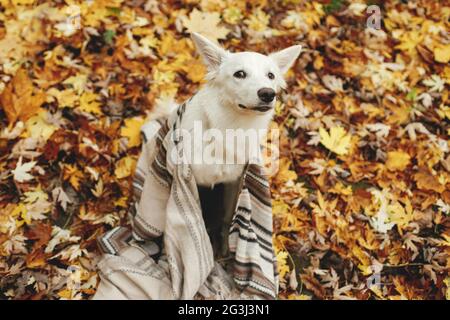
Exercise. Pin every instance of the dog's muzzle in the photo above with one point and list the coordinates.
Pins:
(257, 108)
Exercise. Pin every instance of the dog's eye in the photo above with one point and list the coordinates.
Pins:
(271, 76)
(240, 74)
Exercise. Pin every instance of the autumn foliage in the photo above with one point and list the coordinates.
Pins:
(361, 200)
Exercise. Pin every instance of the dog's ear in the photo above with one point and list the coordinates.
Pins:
(211, 53)
(286, 57)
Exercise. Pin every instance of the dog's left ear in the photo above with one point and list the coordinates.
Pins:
(286, 57)
(211, 53)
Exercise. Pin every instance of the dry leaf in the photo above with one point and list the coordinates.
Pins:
(397, 160)
(206, 23)
(132, 131)
(337, 140)
(21, 99)
(21, 172)
(125, 167)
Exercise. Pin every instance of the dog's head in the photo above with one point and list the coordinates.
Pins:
(248, 81)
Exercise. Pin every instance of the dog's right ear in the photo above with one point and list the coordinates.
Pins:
(211, 53)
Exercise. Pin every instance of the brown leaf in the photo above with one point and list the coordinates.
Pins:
(314, 285)
(40, 232)
(36, 259)
(426, 181)
(21, 99)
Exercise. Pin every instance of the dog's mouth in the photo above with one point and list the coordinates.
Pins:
(259, 108)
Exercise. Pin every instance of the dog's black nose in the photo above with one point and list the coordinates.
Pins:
(266, 94)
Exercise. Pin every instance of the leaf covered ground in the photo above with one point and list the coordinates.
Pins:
(361, 200)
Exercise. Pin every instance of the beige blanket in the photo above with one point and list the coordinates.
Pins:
(166, 254)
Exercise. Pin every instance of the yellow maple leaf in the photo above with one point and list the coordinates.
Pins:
(258, 21)
(444, 112)
(17, 213)
(124, 167)
(206, 23)
(232, 15)
(195, 70)
(170, 44)
(89, 103)
(398, 215)
(442, 53)
(337, 140)
(163, 77)
(95, 12)
(77, 82)
(397, 160)
(74, 176)
(409, 41)
(361, 255)
(121, 202)
(65, 98)
(340, 188)
(37, 126)
(283, 267)
(284, 173)
(365, 270)
(132, 131)
(65, 294)
(279, 207)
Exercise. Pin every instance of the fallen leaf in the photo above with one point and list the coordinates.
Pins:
(125, 167)
(132, 131)
(427, 181)
(39, 128)
(89, 103)
(337, 140)
(21, 172)
(206, 23)
(21, 99)
(397, 160)
(442, 53)
(59, 195)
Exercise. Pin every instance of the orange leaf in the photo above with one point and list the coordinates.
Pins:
(21, 99)
(426, 181)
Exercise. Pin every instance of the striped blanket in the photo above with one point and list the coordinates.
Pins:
(166, 253)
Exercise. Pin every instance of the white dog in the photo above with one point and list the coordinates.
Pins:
(240, 93)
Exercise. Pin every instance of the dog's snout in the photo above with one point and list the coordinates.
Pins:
(266, 94)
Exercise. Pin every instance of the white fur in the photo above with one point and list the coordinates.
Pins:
(217, 103)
